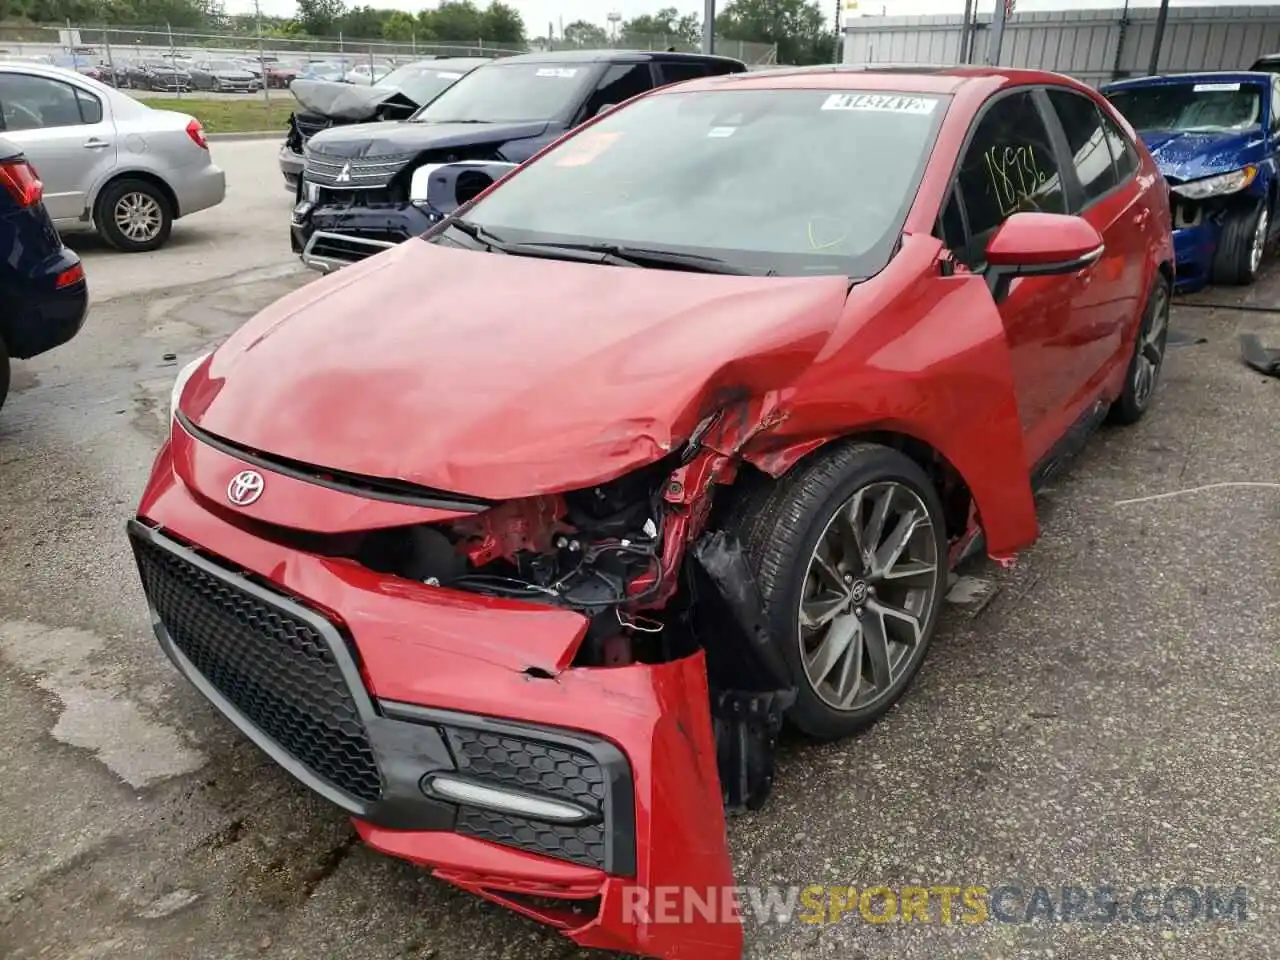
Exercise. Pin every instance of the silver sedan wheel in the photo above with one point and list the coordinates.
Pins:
(1151, 344)
(868, 596)
(139, 217)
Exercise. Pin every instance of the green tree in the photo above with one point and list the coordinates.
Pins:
(667, 23)
(583, 34)
(320, 18)
(503, 24)
(400, 26)
(798, 27)
(363, 22)
(455, 20)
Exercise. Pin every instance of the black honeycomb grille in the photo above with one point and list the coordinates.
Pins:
(275, 668)
(540, 768)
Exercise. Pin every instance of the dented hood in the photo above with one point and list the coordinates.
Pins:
(503, 376)
(344, 101)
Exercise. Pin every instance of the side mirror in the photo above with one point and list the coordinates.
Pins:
(1039, 245)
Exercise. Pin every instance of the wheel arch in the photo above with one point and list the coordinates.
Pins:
(952, 487)
(147, 176)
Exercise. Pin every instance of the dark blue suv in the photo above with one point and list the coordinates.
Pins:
(43, 295)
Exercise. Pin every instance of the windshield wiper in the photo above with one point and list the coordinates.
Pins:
(480, 235)
(644, 256)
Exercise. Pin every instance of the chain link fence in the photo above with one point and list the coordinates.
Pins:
(115, 46)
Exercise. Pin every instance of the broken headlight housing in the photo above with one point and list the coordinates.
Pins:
(1217, 186)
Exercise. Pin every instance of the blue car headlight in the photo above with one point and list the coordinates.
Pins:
(1217, 186)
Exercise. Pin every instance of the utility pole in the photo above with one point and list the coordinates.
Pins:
(835, 51)
(965, 31)
(708, 26)
(262, 61)
(1161, 19)
(998, 20)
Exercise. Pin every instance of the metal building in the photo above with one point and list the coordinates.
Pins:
(1093, 45)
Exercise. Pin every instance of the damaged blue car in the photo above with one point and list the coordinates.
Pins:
(1215, 137)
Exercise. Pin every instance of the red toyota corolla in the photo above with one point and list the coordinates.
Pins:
(521, 540)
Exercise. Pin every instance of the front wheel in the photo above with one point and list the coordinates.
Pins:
(850, 554)
(1241, 245)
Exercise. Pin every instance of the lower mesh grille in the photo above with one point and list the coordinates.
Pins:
(535, 767)
(274, 667)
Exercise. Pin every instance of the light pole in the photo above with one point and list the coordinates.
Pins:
(708, 26)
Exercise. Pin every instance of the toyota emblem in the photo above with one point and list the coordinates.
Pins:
(245, 487)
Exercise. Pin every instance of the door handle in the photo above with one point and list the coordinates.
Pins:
(94, 143)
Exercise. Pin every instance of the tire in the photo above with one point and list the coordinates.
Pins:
(154, 212)
(4, 373)
(782, 523)
(1149, 348)
(1241, 245)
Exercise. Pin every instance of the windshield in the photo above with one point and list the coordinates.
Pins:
(1191, 107)
(421, 84)
(511, 93)
(228, 65)
(792, 182)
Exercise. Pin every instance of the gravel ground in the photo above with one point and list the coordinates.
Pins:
(1103, 715)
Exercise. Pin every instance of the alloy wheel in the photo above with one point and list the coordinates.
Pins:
(1151, 346)
(1259, 242)
(139, 217)
(868, 596)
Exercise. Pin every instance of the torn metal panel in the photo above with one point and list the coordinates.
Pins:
(1259, 357)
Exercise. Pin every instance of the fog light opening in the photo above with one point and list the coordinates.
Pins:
(472, 794)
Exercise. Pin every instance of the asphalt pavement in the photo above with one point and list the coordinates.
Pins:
(1102, 713)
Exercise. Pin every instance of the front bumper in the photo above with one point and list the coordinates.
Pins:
(1194, 249)
(365, 686)
(291, 165)
(330, 237)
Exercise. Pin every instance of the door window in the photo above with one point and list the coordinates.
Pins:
(29, 103)
(1086, 139)
(1275, 106)
(676, 71)
(1008, 167)
(620, 82)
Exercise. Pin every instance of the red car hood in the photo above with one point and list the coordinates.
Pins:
(503, 376)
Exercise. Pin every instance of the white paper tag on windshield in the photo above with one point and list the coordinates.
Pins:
(449, 76)
(722, 131)
(1215, 87)
(557, 71)
(882, 102)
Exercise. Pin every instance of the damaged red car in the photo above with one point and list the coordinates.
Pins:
(520, 542)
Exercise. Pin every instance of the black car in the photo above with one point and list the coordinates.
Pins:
(159, 75)
(364, 187)
(333, 103)
(43, 295)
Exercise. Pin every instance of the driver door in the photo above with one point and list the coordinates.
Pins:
(1008, 166)
(66, 132)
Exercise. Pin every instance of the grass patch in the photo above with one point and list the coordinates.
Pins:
(250, 115)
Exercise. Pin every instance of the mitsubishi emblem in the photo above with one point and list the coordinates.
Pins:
(245, 487)
(344, 175)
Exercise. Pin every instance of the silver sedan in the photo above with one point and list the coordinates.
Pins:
(107, 162)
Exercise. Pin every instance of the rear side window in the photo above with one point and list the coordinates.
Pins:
(1122, 149)
(90, 106)
(620, 82)
(675, 72)
(1086, 139)
(1008, 167)
(29, 102)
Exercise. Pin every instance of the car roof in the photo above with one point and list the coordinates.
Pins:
(612, 56)
(1205, 76)
(901, 78)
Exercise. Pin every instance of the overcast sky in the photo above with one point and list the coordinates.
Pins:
(539, 13)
